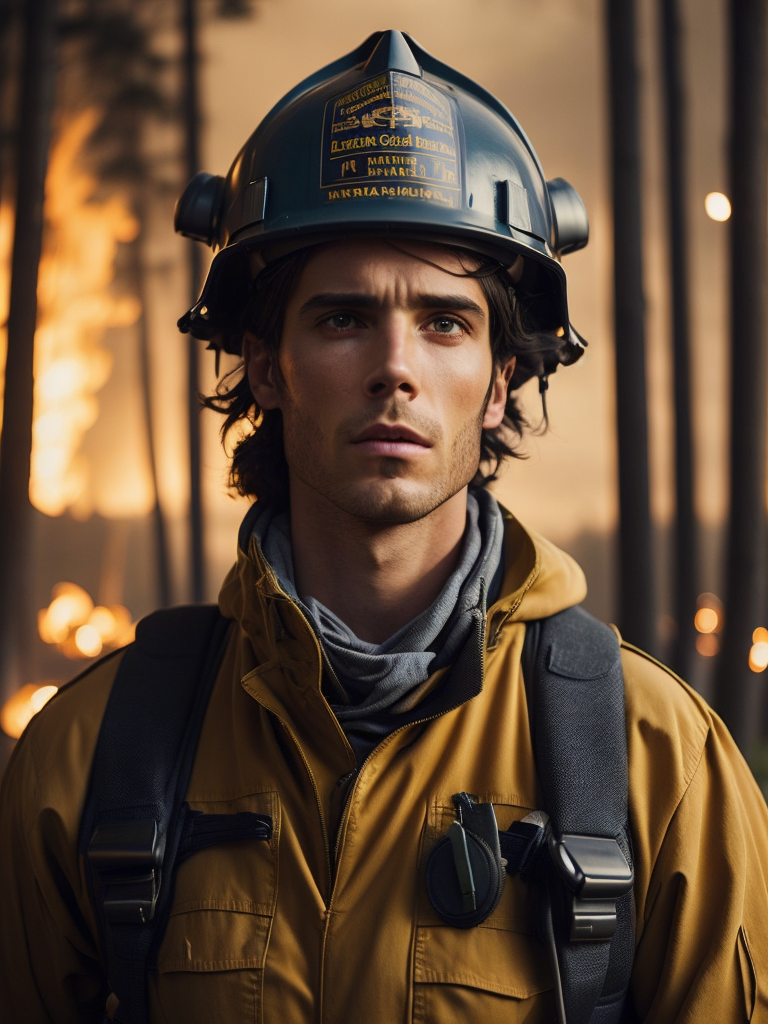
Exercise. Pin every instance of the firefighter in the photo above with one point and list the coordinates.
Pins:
(398, 774)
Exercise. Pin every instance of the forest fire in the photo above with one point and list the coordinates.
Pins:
(75, 309)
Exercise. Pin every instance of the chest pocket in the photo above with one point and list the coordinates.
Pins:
(211, 959)
(497, 972)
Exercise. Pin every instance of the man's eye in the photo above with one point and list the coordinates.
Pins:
(341, 321)
(446, 325)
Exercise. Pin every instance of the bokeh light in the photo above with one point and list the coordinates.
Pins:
(706, 620)
(18, 711)
(707, 645)
(78, 628)
(104, 622)
(88, 641)
(718, 206)
(758, 657)
(70, 607)
(758, 654)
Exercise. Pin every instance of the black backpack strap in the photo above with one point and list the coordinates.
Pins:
(575, 689)
(135, 825)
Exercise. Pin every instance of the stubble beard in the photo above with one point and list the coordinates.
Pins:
(380, 501)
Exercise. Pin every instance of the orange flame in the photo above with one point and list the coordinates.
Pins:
(74, 310)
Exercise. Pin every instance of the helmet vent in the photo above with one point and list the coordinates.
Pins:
(513, 205)
(392, 53)
(253, 204)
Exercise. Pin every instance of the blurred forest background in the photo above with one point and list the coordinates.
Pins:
(113, 495)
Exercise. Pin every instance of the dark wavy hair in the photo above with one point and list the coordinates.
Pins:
(259, 468)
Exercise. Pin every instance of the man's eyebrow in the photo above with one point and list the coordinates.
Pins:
(459, 303)
(363, 300)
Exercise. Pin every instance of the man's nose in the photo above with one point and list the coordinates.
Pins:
(394, 361)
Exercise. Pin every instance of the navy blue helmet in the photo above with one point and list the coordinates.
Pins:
(385, 142)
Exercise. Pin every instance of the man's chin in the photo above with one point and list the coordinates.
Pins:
(389, 503)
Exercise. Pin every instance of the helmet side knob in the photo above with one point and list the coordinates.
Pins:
(198, 211)
(569, 217)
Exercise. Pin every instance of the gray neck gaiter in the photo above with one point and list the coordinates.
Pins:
(376, 677)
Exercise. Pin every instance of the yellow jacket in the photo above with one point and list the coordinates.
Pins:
(330, 922)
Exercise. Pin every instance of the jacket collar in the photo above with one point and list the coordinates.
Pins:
(539, 580)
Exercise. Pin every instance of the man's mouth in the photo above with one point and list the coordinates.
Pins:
(394, 439)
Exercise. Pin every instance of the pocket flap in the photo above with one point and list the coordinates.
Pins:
(507, 963)
(214, 940)
(224, 897)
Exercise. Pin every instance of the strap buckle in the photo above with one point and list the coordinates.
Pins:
(597, 873)
(126, 856)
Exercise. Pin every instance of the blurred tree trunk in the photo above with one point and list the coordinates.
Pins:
(637, 604)
(33, 134)
(192, 136)
(7, 29)
(737, 688)
(685, 560)
(132, 138)
(139, 287)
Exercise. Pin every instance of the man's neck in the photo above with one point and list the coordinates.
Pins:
(375, 577)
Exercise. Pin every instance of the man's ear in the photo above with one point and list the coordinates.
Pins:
(497, 402)
(260, 370)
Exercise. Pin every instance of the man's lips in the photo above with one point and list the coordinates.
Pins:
(391, 439)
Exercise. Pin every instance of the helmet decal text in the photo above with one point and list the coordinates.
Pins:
(392, 136)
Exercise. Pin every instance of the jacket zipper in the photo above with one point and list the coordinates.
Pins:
(345, 814)
(323, 827)
(419, 721)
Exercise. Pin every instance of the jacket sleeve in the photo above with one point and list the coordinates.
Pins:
(49, 964)
(700, 827)
(49, 971)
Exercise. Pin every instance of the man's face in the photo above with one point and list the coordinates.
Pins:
(384, 376)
